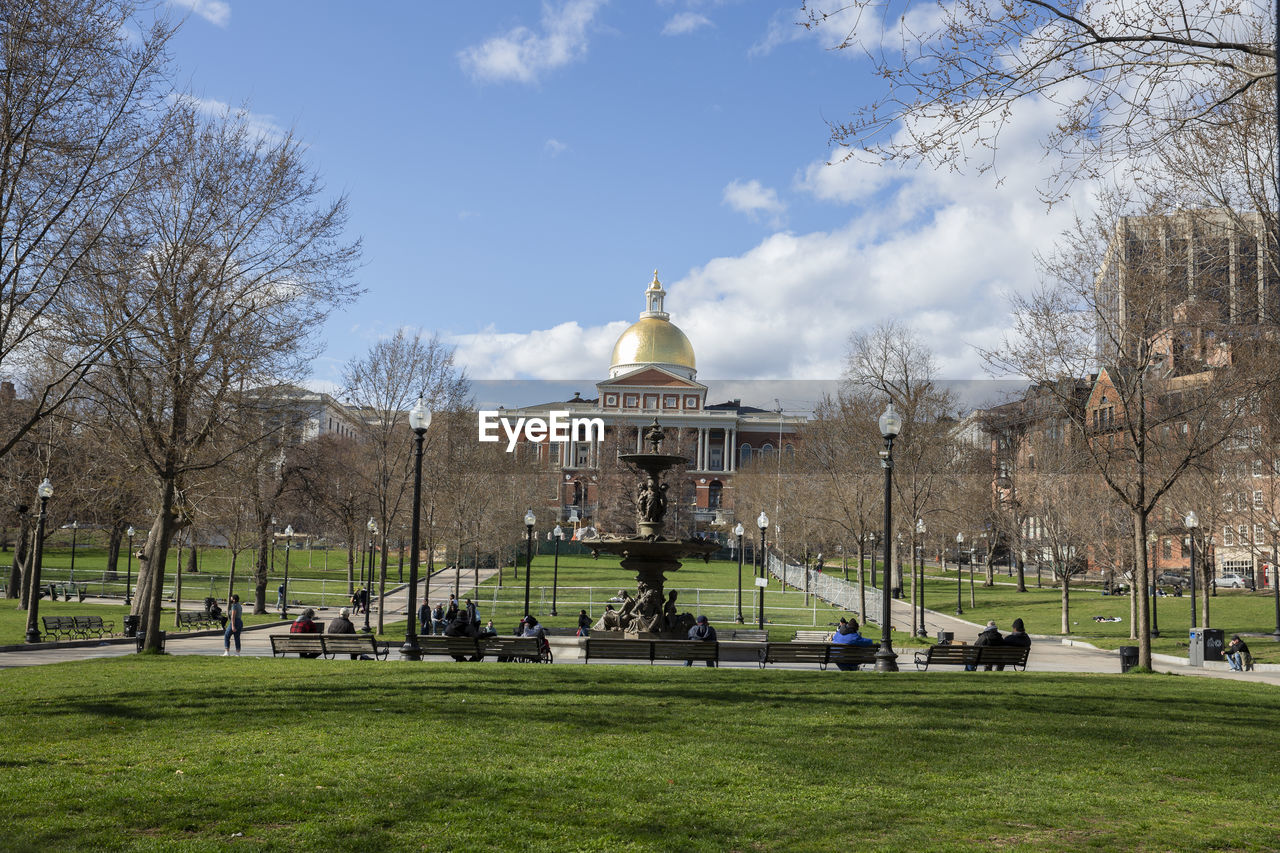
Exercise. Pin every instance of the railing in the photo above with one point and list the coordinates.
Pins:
(833, 590)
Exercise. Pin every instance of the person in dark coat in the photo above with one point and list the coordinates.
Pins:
(847, 635)
(342, 625)
(990, 636)
(424, 618)
(1018, 636)
(462, 626)
(702, 631)
(584, 623)
(1238, 654)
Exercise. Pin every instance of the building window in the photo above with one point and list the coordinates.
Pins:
(632, 401)
(1257, 499)
(1166, 549)
(691, 402)
(582, 454)
(715, 458)
(744, 454)
(611, 399)
(714, 494)
(790, 451)
(1243, 530)
(766, 450)
(651, 401)
(1228, 536)
(670, 401)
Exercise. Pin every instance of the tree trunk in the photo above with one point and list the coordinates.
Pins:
(1022, 574)
(151, 568)
(261, 567)
(1140, 591)
(113, 550)
(351, 568)
(1066, 604)
(990, 569)
(17, 574)
(231, 575)
(382, 584)
(193, 565)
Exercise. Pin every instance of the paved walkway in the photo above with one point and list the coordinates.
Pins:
(1048, 654)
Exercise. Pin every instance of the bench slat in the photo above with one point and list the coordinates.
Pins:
(699, 650)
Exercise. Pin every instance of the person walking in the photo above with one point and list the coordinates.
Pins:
(280, 596)
(1238, 654)
(473, 612)
(424, 618)
(584, 624)
(234, 625)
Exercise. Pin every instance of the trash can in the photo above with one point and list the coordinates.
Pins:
(142, 640)
(945, 638)
(1214, 644)
(1128, 658)
(1196, 651)
(131, 625)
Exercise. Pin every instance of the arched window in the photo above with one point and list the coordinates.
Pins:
(766, 451)
(714, 493)
(790, 450)
(744, 454)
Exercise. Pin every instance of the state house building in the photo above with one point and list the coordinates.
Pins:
(653, 374)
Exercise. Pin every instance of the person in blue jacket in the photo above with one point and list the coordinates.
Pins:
(847, 635)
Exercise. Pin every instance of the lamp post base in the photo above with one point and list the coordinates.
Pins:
(738, 619)
(33, 636)
(886, 660)
(410, 650)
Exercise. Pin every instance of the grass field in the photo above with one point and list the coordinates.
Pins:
(194, 753)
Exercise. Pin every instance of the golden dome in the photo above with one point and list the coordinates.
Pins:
(653, 340)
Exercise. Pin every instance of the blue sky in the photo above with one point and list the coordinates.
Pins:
(517, 170)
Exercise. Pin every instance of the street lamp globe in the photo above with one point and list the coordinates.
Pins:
(763, 521)
(920, 526)
(558, 532)
(288, 532)
(890, 422)
(959, 538)
(419, 417)
(1191, 521)
(738, 530)
(573, 516)
(372, 526)
(529, 519)
(131, 532)
(45, 489)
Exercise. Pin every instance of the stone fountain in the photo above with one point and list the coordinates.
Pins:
(650, 612)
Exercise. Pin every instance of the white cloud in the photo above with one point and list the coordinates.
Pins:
(683, 23)
(259, 124)
(215, 12)
(938, 250)
(555, 147)
(755, 200)
(522, 54)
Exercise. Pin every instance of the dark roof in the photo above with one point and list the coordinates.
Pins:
(735, 405)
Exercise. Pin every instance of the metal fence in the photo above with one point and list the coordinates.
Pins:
(833, 590)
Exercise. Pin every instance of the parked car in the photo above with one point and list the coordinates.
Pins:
(1232, 580)
(1172, 579)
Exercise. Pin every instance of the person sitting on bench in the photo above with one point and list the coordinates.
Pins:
(847, 635)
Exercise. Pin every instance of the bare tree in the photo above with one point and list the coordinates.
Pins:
(1123, 81)
(247, 261)
(82, 88)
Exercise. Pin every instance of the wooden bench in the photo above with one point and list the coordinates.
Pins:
(850, 654)
(795, 652)
(609, 648)
(59, 627)
(516, 649)
(354, 645)
(745, 635)
(86, 625)
(812, 637)
(299, 644)
(1014, 656)
(197, 620)
(652, 650)
(458, 648)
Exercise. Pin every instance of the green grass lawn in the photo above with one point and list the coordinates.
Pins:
(193, 753)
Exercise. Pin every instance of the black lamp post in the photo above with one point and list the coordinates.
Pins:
(372, 527)
(763, 523)
(1275, 570)
(288, 547)
(128, 568)
(75, 528)
(419, 420)
(739, 530)
(558, 536)
(959, 575)
(44, 491)
(920, 531)
(529, 520)
(1192, 522)
(890, 426)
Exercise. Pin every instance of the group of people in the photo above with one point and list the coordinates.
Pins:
(437, 620)
(991, 636)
